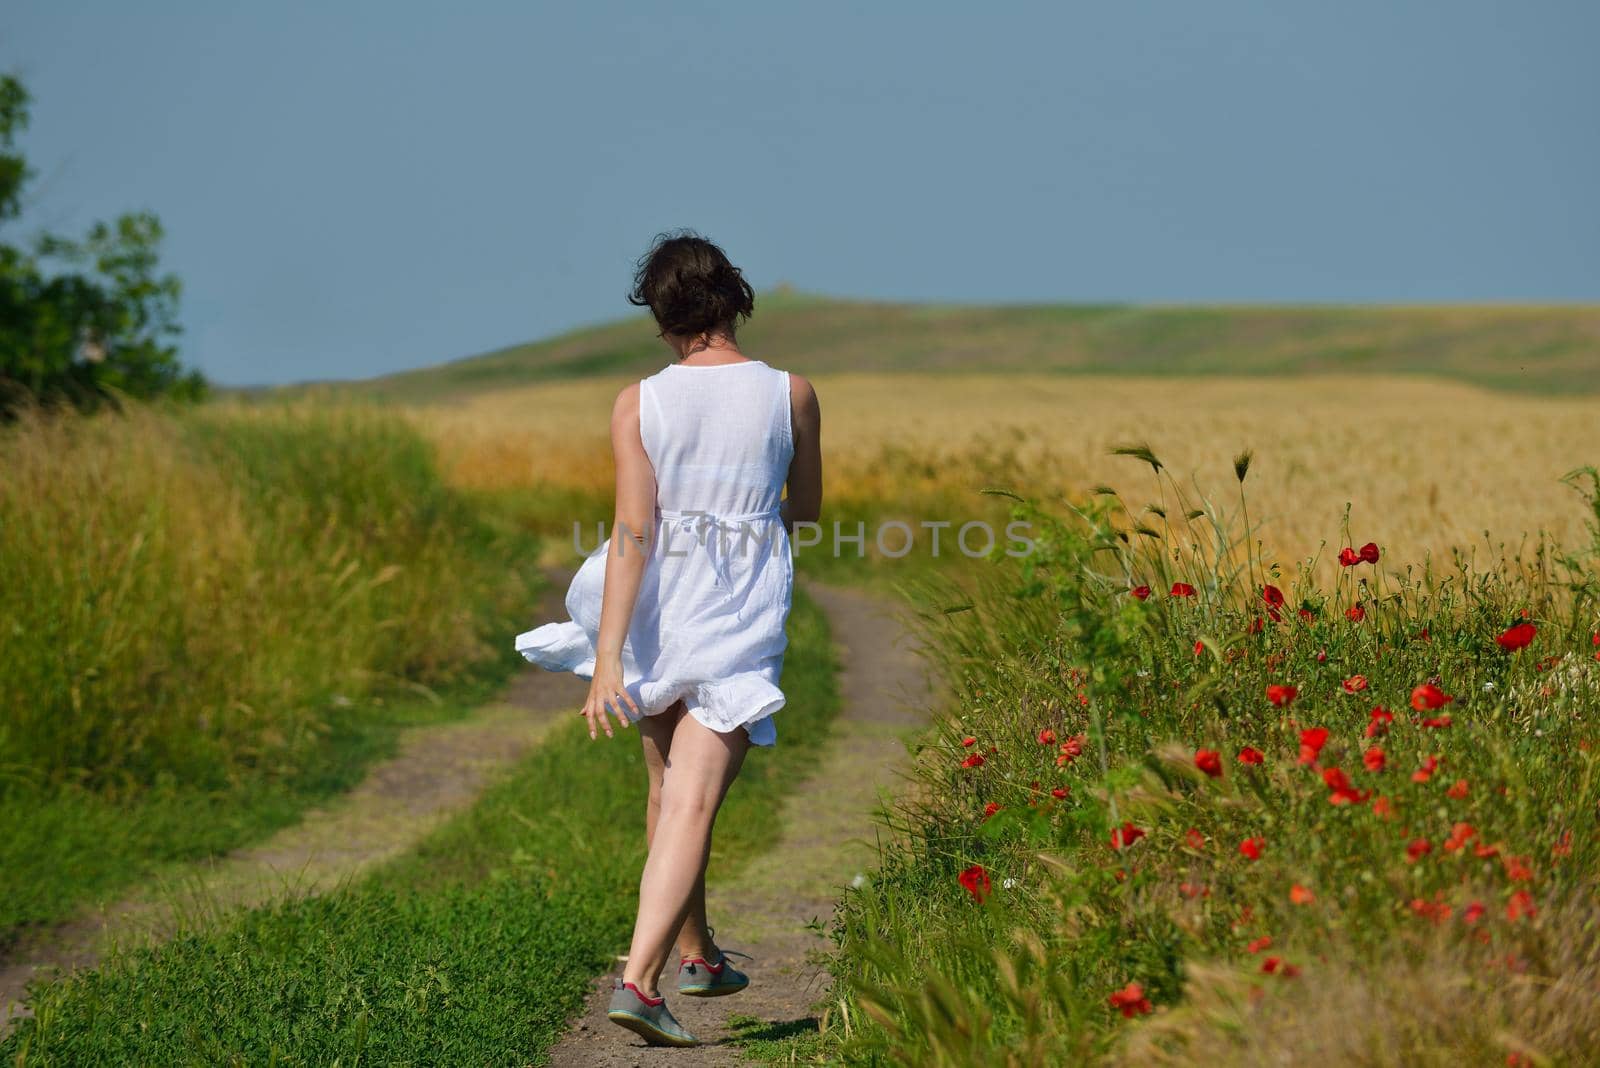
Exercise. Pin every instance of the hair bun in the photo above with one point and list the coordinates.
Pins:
(690, 286)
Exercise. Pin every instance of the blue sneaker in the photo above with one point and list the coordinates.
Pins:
(648, 1018)
(699, 978)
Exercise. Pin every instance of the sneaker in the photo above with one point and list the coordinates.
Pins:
(699, 978)
(649, 1018)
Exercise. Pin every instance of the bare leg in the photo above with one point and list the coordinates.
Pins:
(694, 940)
(699, 767)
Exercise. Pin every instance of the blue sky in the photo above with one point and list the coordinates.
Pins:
(351, 188)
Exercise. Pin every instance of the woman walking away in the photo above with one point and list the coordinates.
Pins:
(678, 619)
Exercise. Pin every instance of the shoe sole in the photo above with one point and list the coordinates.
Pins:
(649, 1031)
(717, 991)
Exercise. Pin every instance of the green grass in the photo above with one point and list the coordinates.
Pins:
(212, 619)
(1399, 956)
(1537, 349)
(67, 845)
(473, 949)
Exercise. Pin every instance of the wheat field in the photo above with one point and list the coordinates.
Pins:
(1425, 466)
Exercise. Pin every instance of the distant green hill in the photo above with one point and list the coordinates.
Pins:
(1540, 349)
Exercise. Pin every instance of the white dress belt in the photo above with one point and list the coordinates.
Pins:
(702, 525)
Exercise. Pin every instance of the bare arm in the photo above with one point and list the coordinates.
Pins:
(632, 529)
(804, 503)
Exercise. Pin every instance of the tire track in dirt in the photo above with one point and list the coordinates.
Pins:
(438, 771)
(825, 843)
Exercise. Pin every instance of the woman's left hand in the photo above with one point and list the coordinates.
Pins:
(606, 693)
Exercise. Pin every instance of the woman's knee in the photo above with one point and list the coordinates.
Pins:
(688, 802)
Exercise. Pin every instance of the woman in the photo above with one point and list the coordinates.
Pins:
(679, 617)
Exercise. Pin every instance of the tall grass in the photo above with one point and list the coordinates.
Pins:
(1094, 869)
(188, 597)
(207, 601)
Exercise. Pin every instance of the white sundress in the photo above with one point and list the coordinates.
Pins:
(708, 626)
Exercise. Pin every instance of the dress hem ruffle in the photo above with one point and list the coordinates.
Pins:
(747, 699)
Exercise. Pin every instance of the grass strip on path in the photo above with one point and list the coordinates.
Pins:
(473, 949)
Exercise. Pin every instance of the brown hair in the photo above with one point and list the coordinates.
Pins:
(690, 286)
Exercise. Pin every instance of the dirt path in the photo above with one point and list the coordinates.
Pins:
(826, 842)
(438, 771)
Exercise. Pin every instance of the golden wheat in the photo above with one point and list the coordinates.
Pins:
(1425, 466)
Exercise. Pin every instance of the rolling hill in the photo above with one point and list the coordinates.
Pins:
(1536, 349)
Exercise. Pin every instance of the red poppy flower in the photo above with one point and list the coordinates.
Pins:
(1300, 895)
(1250, 755)
(1257, 945)
(1437, 910)
(990, 809)
(1460, 835)
(1311, 742)
(1383, 808)
(1199, 647)
(1369, 552)
(975, 881)
(1374, 759)
(1273, 598)
(1322, 656)
(1195, 839)
(1124, 836)
(1182, 589)
(1209, 761)
(1517, 869)
(1563, 846)
(1047, 736)
(969, 741)
(1255, 626)
(1458, 790)
(1306, 614)
(1520, 905)
(974, 760)
(1517, 637)
(1250, 848)
(1340, 790)
(1141, 592)
(1130, 1001)
(1282, 695)
(1429, 766)
(1355, 613)
(1481, 851)
(1437, 722)
(1473, 913)
(1060, 792)
(1348, 557)
(1417, 849)
(1378, 721)
(1427, 697)
(1355, 684)
(1072, 748)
